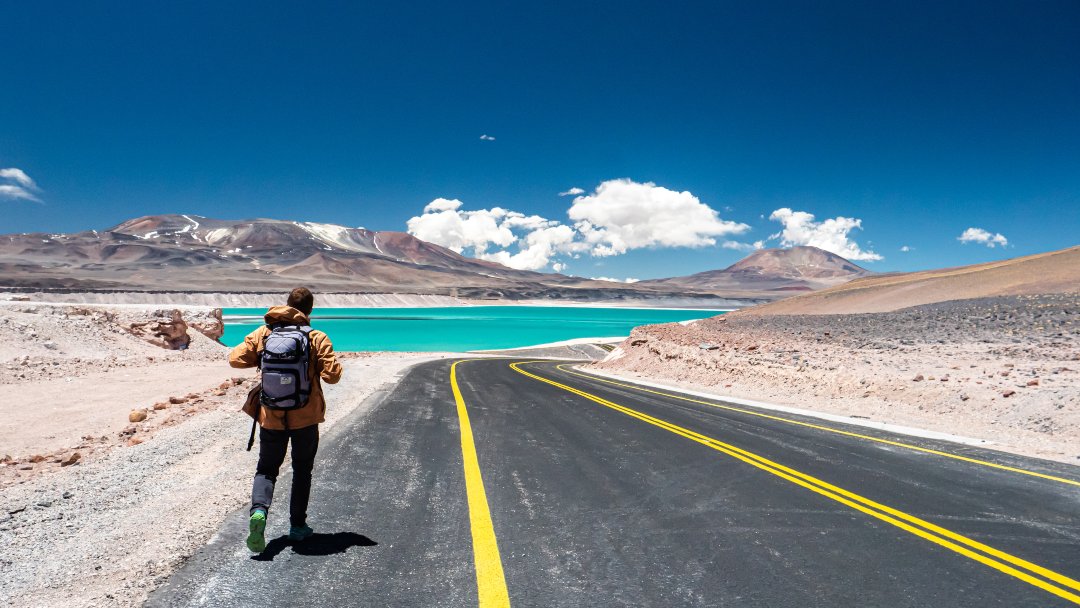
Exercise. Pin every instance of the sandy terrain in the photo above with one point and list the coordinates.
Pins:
(122, 446)
(1004, 369)
(108, 529)
(1052, 272)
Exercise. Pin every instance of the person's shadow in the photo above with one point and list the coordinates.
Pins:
(316, 544)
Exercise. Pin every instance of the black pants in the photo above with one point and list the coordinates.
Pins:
(272, 444)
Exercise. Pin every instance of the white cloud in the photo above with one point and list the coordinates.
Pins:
(537, 239)
(738, 246)
(572, 192)
(486, 137)
(536, 249)
(19, 185)
(442, 204)
(621, 215)
(830, 235)
(905, 249)
(984, 237)
(18, 176)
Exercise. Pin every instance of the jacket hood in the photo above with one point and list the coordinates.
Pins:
(286, 314)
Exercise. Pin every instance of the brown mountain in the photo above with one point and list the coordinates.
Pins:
(189, 253)
(773, 270)
(1043, 273)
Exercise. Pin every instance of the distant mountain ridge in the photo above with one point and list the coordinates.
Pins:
(801, 268)
(178, 252)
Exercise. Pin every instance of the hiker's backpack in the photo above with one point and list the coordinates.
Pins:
(285, 361)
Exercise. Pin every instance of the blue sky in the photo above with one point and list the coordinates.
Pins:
(918, 119)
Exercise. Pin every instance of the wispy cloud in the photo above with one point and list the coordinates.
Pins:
(572, 192)
(905, 249)
(983, 237)
(487, 137)
(15, 184)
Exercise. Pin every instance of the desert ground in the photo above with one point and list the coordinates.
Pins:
(119, 456)
(123, 444)
(1004, 369)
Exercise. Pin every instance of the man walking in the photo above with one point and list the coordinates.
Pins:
(287, 417)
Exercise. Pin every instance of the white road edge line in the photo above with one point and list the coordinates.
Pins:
(872, 424)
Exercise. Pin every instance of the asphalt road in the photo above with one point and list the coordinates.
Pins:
(543, 487)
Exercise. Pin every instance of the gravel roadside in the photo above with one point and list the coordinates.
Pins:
(1006, 369)
(107, 532)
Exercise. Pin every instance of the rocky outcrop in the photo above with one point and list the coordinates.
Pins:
(168, 330)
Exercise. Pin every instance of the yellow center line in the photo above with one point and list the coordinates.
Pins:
(490, 580)
(909, 523)
(819, 427)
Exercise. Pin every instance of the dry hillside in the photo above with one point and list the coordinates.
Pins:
(1053, 272)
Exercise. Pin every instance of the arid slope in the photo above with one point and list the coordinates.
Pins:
(1053, 272)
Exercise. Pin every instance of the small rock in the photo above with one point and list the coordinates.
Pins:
(160, 406)
(128, 431)
(225, 385)
(71, 460)
(134, 441)
(26, 467)
(37, 458)
(238, 381)
(918, 378)
(68, 495)
(1034, 382)
(177, 400)
(137, 416)
(219, 392)
(964, 397)
(1008, 393)
(45, 503)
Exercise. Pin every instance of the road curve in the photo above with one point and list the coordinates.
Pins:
(493, 482)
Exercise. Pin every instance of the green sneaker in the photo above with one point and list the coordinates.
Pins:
(299, 533)
(256, 540)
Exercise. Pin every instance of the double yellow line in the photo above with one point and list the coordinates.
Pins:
(1033, 574)
(984, 463)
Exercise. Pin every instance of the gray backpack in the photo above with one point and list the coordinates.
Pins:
(285, 361)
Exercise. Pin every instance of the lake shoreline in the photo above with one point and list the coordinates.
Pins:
(468, 328)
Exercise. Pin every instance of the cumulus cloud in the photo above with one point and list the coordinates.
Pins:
(537, 238)
(16, 184)
(621, 215)
(800, 228)
(905, 249)
(983, 237)
(486, 137)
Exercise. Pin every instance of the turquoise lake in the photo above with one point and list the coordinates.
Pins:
(463, 328)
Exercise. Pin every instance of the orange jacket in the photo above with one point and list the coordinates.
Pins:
(324, 365)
